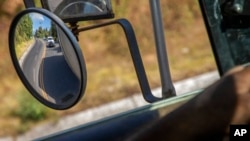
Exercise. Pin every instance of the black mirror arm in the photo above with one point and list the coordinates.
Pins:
(135, 54)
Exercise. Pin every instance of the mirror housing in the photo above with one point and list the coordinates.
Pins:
(47, 58)
(79, 10)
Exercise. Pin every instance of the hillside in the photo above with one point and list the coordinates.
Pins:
(109, 66)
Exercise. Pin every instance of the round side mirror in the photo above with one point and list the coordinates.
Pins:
(47, 58)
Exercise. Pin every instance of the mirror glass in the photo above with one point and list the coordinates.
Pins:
(76, 10)
(47, 61)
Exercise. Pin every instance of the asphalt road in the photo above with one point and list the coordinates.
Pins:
(57, 78)
(30, 64)
(48, 72)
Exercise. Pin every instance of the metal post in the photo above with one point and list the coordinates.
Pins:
(168, 89)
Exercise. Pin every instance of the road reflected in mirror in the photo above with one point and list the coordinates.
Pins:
(47, 59)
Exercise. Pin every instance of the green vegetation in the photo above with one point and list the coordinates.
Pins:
(44, 32)
(24, 30)
(22, 47)
(110, 71)
(28, 112)
(53, 31)
(41, 33)
(23, 35)
(31, 110)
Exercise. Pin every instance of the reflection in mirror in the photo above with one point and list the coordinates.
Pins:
(80, 9)
(47, 59)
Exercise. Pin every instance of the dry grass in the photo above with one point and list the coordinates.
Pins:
(187, 44)
(111, 74)
(22, 47)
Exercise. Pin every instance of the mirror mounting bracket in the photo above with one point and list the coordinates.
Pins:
(74, 28)
(135, 54)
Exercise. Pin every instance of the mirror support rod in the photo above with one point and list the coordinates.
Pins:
(168, 89)
(29, 3)
(135, 54)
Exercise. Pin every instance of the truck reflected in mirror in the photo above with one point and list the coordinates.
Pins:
(48, 61)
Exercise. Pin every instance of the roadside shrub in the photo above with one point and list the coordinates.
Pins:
(29, 108)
